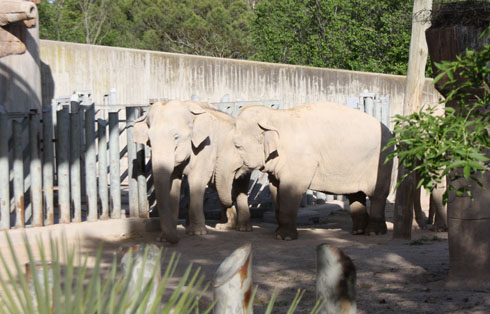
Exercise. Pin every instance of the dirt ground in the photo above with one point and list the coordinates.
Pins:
(393, 276)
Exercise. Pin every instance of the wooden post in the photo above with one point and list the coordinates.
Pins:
(403, 212)
(232, 284)
(336, 280)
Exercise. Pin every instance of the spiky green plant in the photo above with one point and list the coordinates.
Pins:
(63, 283)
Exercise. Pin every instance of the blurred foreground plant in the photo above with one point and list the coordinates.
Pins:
(454, 144)
(63, 283)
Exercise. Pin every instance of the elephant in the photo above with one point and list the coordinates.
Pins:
(321, 146)
(196, 140)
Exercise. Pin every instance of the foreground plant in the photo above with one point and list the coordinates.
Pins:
(455, 144)
(64, 283)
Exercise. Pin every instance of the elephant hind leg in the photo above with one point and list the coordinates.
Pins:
(228, 218)
(358, 212)
(377, 220)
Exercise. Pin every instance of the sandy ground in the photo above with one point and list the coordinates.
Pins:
(393, 276)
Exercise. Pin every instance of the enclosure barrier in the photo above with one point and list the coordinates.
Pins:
(59, 164)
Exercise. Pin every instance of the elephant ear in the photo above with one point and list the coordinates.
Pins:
(271, 138)
(140, 131)
(202, 125)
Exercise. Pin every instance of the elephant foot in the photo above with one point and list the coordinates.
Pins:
(244, 228)
(376, 227)
(359, 223)
(422, 222)
(438, 228)
(286, 233)
(196, 230)
(173, 238)
(226, 226)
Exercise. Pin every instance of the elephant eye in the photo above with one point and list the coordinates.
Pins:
(238, 146)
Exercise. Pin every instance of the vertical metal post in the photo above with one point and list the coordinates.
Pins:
(132, 169)
(35, 170)
(18, 174)
(385, 110)
(48, 157)
(62, 152)
(75, 178)
(102, 146)
(369, 105)
(114, 165)
(90, 161)
(4, 171)
(377, 109)
(143, 204)
(320, 197)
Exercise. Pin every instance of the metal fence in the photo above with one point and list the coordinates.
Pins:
(63, 165)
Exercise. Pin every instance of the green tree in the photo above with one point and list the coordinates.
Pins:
(205, 27)
(456, 144)
(363, 35)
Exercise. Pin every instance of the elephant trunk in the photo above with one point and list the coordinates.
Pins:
(163, 163)
(227, 164)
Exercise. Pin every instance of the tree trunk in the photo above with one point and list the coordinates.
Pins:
(412, 102)
(468, 220)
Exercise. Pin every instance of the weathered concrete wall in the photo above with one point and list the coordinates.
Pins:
(140, 75)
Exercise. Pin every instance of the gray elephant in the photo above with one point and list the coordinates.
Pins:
(196, 140)
(325, 147)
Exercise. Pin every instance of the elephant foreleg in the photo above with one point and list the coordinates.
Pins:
(196, 214)
(358, 212)
(289, 196)
(273, 185)
(439, 209)
(420, 217)
(168, 219)
(243, 212)
(377, 220)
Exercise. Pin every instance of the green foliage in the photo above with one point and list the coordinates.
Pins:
(362, 35)
(455, 144)
(64, 283)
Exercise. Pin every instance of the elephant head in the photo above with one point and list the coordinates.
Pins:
(256, 138)
(175, 130)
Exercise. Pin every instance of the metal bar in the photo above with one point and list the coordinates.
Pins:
(4, 172)
(369, 105)
(62, 152)
(132, 173)
(76, 192)
(377, 109)
(48, 158)
(35, 170)
(385, 110)
(114, 165)
(143, 204)
(18, 174)
(102, 145)
(90, 163)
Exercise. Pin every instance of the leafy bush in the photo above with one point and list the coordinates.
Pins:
(455, 144)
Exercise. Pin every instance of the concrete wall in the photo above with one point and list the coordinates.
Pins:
(140, 75)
